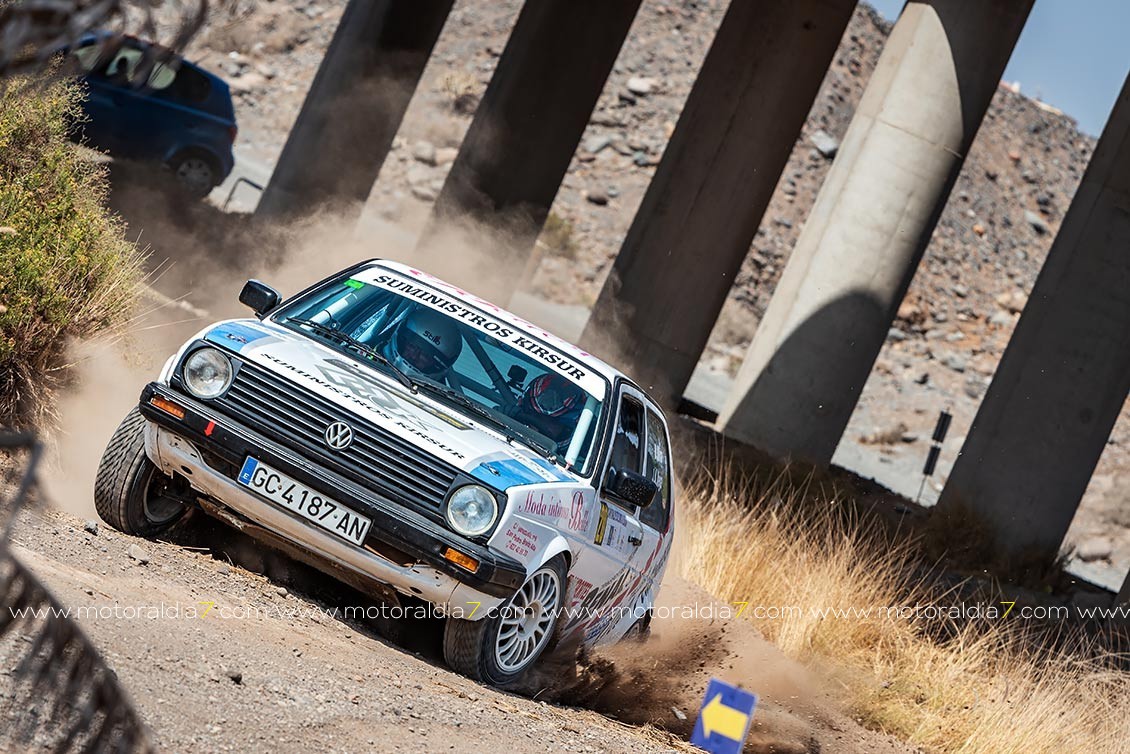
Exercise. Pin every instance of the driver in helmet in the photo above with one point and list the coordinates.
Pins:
(550, 404)
(424, 344)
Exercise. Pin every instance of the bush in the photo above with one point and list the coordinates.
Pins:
(557, 237)
(66, 270)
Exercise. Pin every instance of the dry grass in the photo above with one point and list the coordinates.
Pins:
(983, 690)
(65, 269)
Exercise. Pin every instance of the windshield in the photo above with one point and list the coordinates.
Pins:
(461, 356)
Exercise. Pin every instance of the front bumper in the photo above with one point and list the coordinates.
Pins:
(205, 447)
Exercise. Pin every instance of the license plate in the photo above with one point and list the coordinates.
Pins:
(295, 496)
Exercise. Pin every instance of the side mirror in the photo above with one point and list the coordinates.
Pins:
(261, 297)
(630, 487)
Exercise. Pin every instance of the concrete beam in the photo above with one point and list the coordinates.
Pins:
(700, 213)
(1065, 375)
(354, 107)
(529, 122)
(870, 225)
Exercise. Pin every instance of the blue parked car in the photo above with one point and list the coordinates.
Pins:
(180, 115)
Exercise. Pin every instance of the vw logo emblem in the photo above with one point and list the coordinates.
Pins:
(339, 436)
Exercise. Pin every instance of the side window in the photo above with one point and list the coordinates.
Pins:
(658, 471)
(123, 70)
(120, 70)
(627, 445)
(162, 76)
(88, 57)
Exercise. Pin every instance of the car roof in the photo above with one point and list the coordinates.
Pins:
(611, 373)
(100, 35)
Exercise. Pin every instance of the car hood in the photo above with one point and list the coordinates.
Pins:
(371, 395)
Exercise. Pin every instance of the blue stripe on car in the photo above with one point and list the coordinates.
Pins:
(558, 473)
(234, 336)
(506, 473)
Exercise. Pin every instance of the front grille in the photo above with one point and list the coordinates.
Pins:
(377, 460)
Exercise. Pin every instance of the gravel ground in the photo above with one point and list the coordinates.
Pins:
(227, 647)
(286, 678)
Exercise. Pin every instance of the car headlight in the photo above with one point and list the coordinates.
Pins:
(207, 373)
(471, 510)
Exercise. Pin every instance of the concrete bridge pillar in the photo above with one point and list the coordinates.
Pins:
(870, 225)
(528, 124)
(354, 107)
(1065, 375)
(718, 172)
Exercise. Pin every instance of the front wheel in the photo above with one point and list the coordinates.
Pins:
(500, 648)
(130, 492)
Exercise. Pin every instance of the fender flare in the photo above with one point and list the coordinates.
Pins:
(557, 545)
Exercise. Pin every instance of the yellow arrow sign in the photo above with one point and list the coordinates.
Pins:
(727, 722)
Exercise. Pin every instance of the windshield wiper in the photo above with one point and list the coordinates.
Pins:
(363, 348)
(509, 432)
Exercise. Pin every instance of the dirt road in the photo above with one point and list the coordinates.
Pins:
(275, 673)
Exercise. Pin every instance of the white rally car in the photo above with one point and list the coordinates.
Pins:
(411, 439)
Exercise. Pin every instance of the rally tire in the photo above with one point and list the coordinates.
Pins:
(640, 631)
(128, 486)
(470, 647)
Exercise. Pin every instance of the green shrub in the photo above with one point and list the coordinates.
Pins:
(557, 236)
(66, 270)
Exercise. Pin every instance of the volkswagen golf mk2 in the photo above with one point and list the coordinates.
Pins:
(412, 439)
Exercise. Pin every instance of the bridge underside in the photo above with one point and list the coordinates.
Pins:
(1066, 373)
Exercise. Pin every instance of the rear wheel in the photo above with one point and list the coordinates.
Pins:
(640, 631)
(130, 493)
(195, 174)
(499, 649)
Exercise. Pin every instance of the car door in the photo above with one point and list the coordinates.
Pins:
(620, 534)
(121, 111)
(605, 571)
(622, 531)
(144, 123)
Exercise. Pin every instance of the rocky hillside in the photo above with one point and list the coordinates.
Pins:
(995, 232)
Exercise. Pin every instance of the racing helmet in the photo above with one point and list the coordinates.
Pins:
(425, 343)
(551, 395)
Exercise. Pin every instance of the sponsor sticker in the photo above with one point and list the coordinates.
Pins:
(601, 524)
(503, 331)
(520, 540)
(392, 415)
(580, 588)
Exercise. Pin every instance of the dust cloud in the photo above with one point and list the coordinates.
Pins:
(200, 257)
(661, 681)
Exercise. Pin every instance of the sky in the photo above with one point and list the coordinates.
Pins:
(1072, 54)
